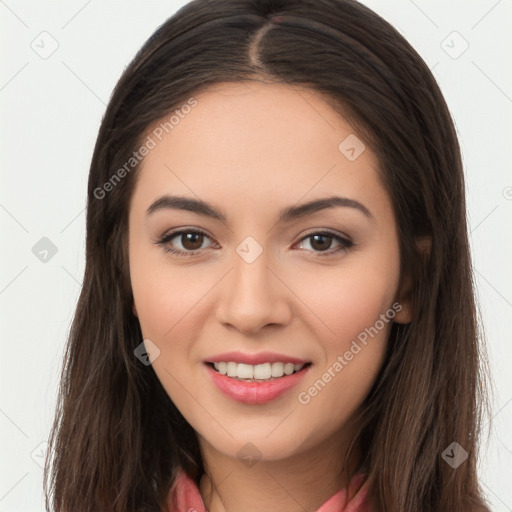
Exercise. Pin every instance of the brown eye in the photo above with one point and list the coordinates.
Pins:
(321, 243)
(184, 242)
(192, 241)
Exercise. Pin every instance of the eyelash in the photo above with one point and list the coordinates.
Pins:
(345, 246)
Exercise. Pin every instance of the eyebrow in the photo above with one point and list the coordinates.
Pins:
(286, 215)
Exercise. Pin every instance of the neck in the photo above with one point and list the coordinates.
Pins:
(304, 481)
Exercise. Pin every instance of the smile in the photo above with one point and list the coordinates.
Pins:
(242, 385)
(259, 372)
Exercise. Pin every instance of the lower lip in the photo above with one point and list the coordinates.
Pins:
(255, 392)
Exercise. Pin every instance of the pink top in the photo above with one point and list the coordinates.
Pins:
(185, 497)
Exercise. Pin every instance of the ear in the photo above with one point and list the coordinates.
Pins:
(403, 301)
(134, 309)
(404, 314)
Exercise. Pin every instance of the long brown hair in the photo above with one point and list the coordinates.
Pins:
(117, 440)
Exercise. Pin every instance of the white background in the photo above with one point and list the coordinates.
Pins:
(51, 110)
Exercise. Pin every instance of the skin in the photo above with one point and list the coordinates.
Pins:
(250, 150)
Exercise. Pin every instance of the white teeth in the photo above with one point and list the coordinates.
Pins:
(245, 371)
(231, 369)
(263, 371)
(288, 368)
(277, 369)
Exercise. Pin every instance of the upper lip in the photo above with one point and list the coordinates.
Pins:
(253, 359)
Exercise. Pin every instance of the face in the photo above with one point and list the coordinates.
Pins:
(317, 285)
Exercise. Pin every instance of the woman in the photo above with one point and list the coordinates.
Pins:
(277, 310)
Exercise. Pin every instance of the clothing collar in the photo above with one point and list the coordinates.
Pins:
(185, 497)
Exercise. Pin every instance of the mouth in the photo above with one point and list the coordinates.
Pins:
(267, 383)
(264, 372)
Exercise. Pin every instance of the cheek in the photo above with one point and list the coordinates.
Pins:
(334, 394)
(173, 305)
(169, 307)
(355, 302)
(165, 296)
(352, 357)
(348, 299)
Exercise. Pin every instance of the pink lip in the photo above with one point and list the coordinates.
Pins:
(255, 392)
(259, 358)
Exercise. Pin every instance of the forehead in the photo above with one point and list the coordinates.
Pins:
(258, 142)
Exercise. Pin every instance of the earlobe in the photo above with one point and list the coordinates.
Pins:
(403, 313)
(402, 305)
(424, 245)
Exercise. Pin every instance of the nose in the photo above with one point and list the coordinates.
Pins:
(253, 296)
